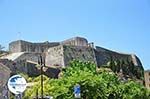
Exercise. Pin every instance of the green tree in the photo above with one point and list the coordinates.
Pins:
(94, 85)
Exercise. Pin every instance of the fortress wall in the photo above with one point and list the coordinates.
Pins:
(76, 41)
(43, 47)
(24, 46)
(136, 60)
(60, 54)
(54, 56)
(15, 46)
(81, 53)
(19, 64)
(103, 56)
(29, 56)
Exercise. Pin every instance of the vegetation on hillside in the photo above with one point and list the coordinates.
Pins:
(126, 67)
(94, 84)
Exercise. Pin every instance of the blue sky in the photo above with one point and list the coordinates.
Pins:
(120, 25)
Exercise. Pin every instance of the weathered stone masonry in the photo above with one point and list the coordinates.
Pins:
(24, 46)
(60, 53)
(63, 54)
(24, 56)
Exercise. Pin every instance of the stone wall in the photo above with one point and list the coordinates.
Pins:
(147, 78)
(19, 64)
(63, 54)
(15, 46)
(76, 41)
(103, 56)
(24, 46)
(82, 53)
(29, 56)
(54, 56)
(25, 67)
(60, 54)
(136, 61)
(34, 70)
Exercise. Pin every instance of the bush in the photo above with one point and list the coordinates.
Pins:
(94, 85)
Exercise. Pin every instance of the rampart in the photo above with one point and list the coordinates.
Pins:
(76, 41)
(24, 46)
(63, 54)
(60, 53)
(104, 55)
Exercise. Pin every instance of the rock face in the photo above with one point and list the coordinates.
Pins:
(61, 53)
(147, 78)
(4, 76)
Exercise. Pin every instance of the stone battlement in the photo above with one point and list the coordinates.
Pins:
(76, 41)
(24, 46)
(24, 57)
(60, 53)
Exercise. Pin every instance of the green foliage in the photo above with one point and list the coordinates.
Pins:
(76, 67)
(23, 75)
(126, 67)
(94, 85)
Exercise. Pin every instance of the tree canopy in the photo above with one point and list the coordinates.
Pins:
(94, 84)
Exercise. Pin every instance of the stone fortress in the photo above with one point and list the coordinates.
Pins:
(60, 53)
(23, 57)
